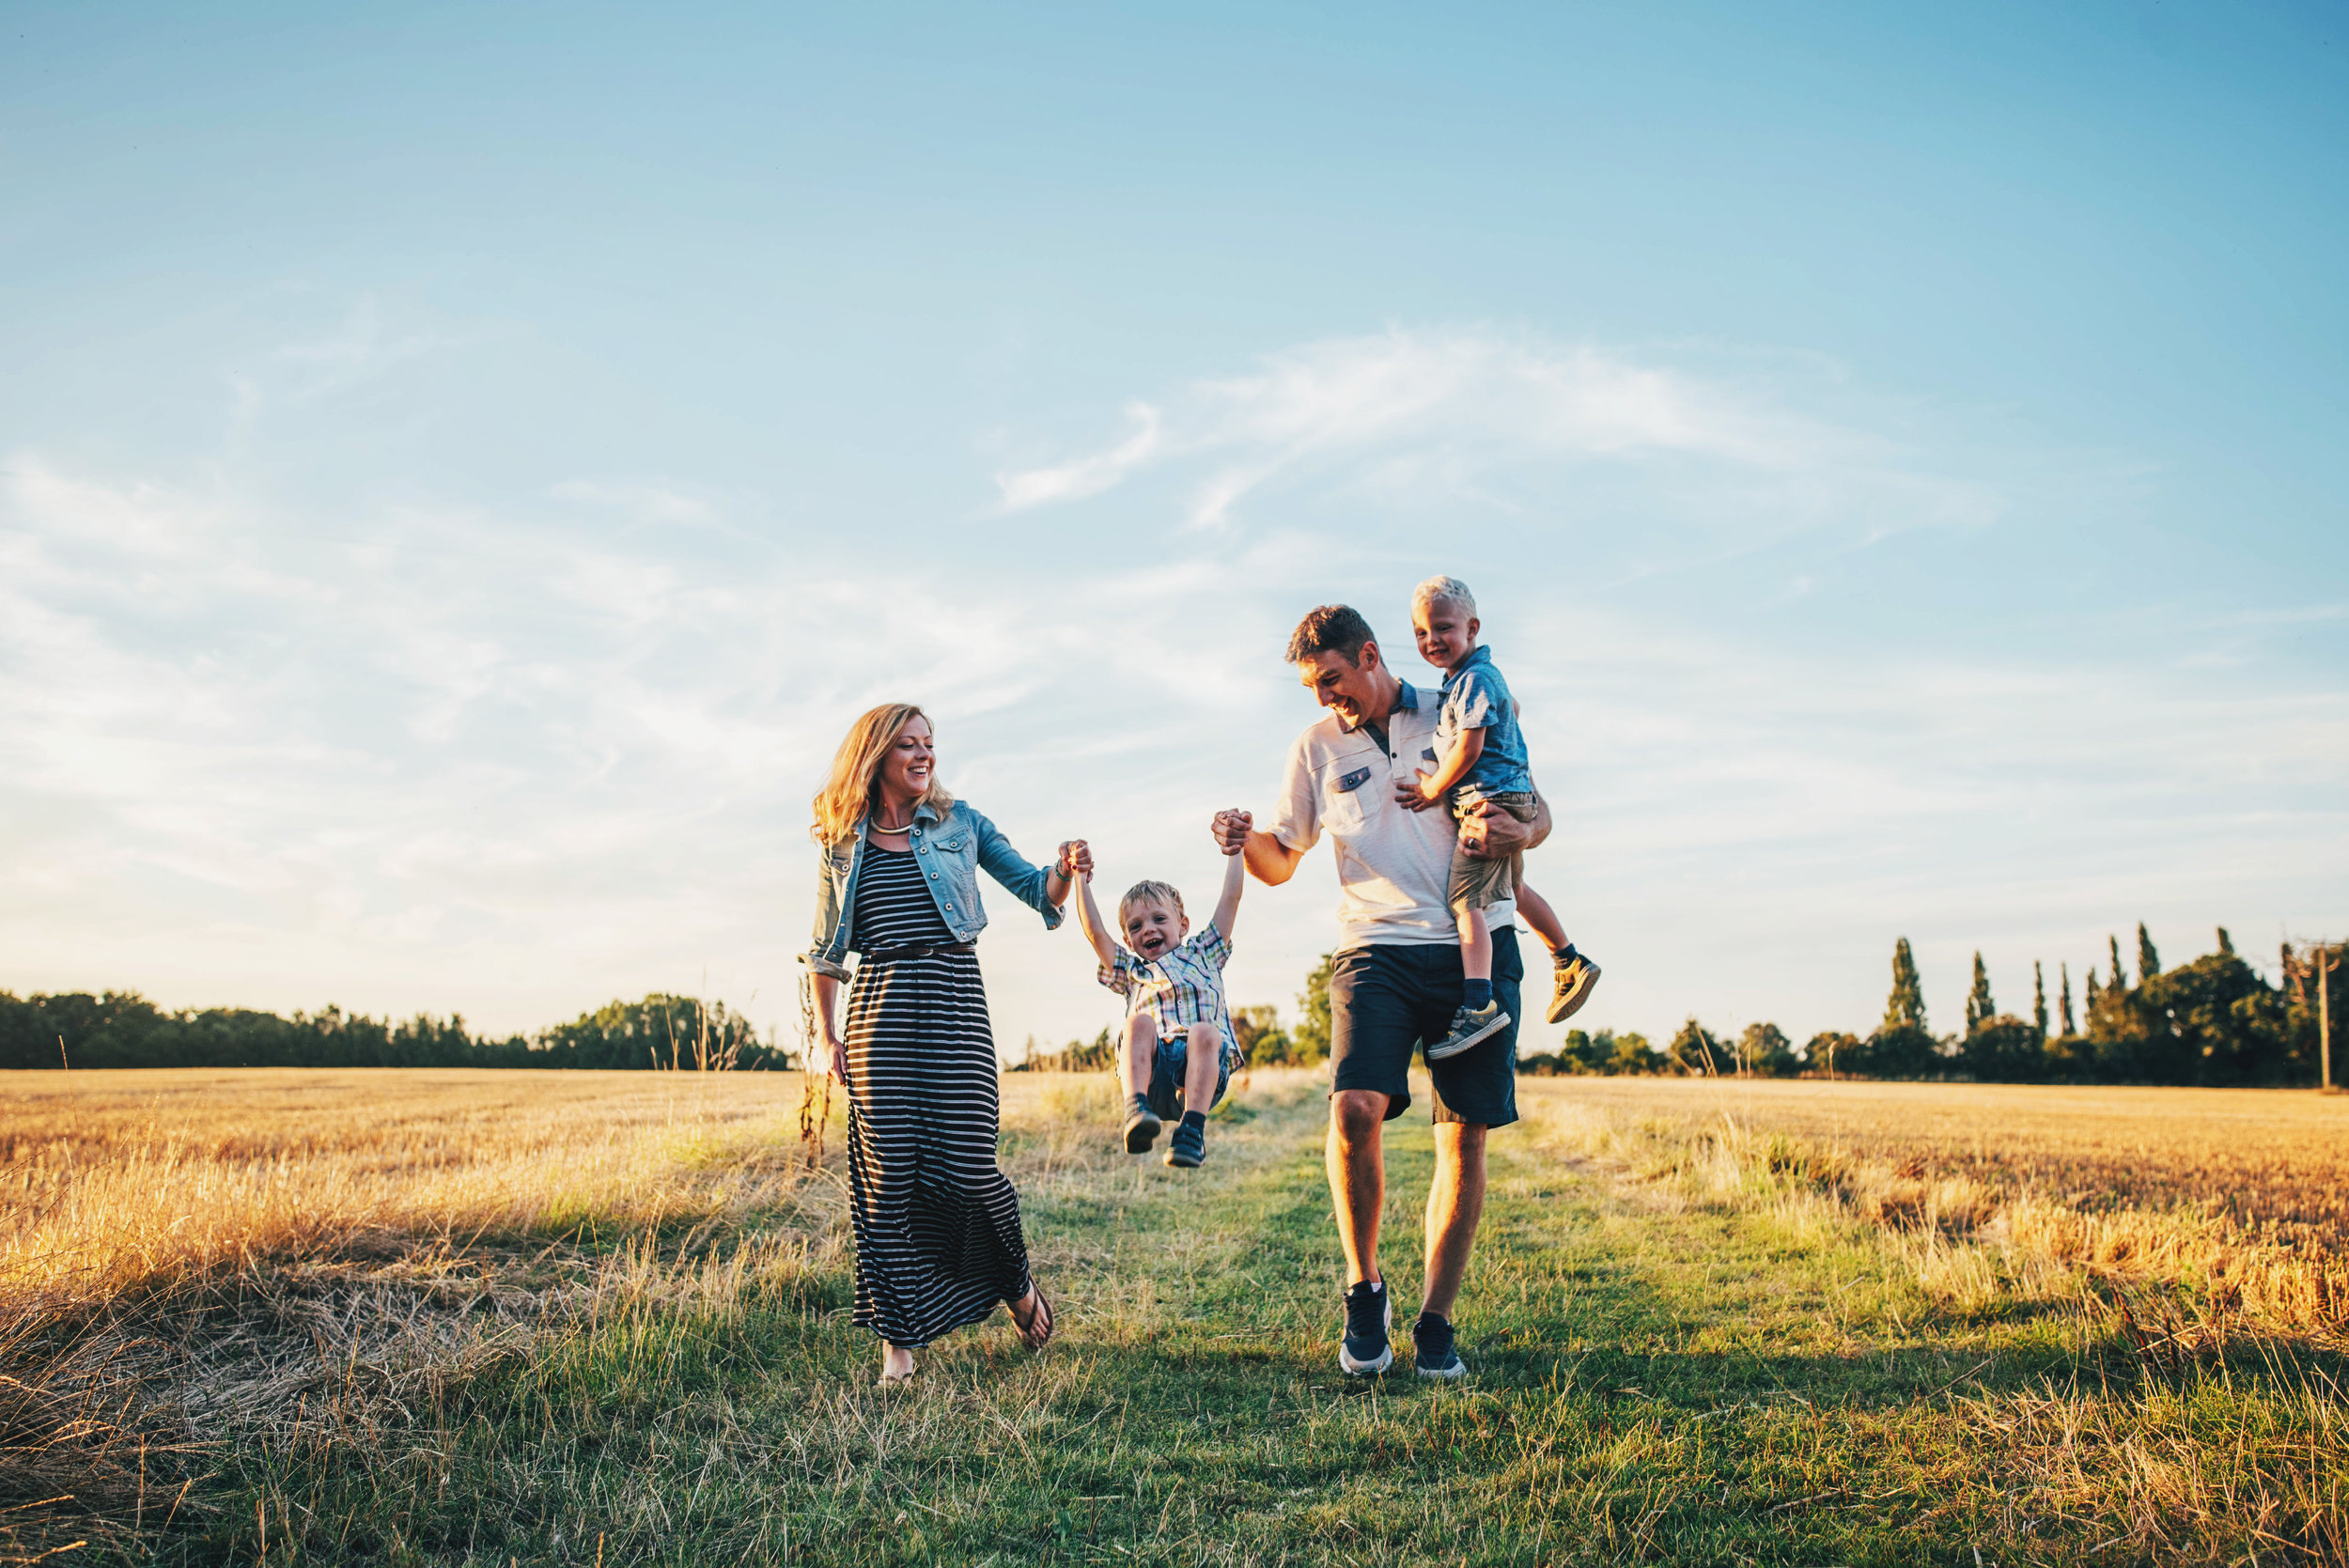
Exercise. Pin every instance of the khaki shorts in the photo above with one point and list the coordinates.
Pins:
(1477, 883)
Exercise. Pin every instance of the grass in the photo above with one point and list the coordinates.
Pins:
(1694, 1340)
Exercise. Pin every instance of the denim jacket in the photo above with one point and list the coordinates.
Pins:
(951, 855)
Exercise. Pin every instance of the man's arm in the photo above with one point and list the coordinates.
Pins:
(1487, 832)
(1269, 860)
(1227, 908)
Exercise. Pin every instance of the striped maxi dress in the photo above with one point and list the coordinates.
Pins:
(936, 1223)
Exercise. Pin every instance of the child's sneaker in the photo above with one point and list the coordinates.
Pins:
(1141, 1125)
(1577, 977)
(1187, 1149)
(1469, 1026)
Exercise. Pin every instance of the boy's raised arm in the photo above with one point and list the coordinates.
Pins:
(1089, 920)
(1234, 878)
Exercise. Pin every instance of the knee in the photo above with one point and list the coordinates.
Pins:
(1206, 1040)
(1355, 1114)
(1141, 1031)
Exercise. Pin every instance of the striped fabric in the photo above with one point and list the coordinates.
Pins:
(937, 1238)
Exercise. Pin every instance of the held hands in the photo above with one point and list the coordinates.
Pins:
(1230, 829)
(1075, 861)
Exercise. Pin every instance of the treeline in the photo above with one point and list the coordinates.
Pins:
(122, 1029)
(2213, 1023)
(1264, 1040)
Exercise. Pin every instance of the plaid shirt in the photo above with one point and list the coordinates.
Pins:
(1180, 987)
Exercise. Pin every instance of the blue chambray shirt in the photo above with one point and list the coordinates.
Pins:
(1476, 698)
(951, 853)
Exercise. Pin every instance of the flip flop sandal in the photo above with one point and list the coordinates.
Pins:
(1036, 1332)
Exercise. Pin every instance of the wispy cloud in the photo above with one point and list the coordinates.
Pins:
(1437, 408)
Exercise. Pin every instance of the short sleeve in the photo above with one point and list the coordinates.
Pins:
(1298, 821)
(1122, 974)
(1472, 702)
(1213, 945)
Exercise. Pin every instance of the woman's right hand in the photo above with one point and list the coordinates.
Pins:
(835, 1059)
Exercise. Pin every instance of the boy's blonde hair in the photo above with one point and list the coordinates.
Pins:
(1444, 590)
(1160, 892)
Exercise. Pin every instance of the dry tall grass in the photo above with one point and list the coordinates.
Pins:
(2237, 1196)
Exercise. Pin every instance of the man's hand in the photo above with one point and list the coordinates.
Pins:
(1230, 828)
(1075, 861)
(1412, 795)
(1487, 832)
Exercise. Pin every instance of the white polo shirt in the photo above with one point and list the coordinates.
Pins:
(1393, 864)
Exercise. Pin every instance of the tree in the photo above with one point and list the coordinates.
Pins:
(1262, 1041)
(1309, 1042)
(2039, 997)
(2148, 962)
(1632, 1055)
(1978, 1007)
(1695, 1049)
(1826, 1048)
(2226, 943)
(1765, 1051)
(2004, 1048)
(2069, 1028)
(1905, 1007)
(2120, 981)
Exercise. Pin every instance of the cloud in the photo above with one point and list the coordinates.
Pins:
(1443, 407)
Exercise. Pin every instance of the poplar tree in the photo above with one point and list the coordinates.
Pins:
(1905, 1007)
(2120, 981)
(2070, 1029)
(2226, 943)
(1980, 1009)
(2148, 961)
(2039, 997)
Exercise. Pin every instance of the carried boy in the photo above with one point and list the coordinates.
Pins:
(1179, 1052)
(1480, 755)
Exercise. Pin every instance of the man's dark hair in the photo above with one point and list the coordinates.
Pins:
(1331, 629)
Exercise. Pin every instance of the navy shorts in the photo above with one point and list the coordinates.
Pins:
(1389, 998)
(1169, 1065)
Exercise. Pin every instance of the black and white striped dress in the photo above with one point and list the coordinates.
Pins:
(938, 1239)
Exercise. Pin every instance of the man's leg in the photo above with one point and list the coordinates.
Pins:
(1358, 1177)
(1455, 1204)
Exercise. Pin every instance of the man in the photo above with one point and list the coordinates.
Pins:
(1396, 977)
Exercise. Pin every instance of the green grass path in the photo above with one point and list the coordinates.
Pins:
(1649, 1383)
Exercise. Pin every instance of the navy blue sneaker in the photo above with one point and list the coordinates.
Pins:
(1187, 1149)
(1369, 1315)
(1142, 1125)
(1432, 1335)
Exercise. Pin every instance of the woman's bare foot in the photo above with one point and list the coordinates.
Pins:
(896, 1364)
(1032, 1316)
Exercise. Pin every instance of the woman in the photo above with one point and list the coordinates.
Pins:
(938, 1240)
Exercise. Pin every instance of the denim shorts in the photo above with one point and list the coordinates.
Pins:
(1389, 998)
(1169, 1066)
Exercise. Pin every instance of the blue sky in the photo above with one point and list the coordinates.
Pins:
(461, 468)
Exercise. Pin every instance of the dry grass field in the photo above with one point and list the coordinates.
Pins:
(507, 1317)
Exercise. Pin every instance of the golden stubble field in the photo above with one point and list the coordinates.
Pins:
(285, 1253)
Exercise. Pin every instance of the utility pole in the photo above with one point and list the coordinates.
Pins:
(2303, 970)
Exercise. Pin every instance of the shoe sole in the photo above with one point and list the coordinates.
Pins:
(1140, 1135)
(1568, 1006)
(1458, 1369)
(1181, 1162)
(1447, 1050)
(1353, 1368)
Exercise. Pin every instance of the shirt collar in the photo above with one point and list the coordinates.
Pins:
(1406, 696)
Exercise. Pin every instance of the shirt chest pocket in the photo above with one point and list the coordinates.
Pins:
(1348, 795)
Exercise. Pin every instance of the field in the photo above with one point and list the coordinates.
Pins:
(508, 1317)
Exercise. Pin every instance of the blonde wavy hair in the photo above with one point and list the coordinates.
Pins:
(848, 794)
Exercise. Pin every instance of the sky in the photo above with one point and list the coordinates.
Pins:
(462, 468)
